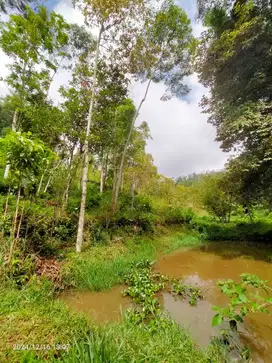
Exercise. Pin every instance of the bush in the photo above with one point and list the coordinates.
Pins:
(93, 199)
(243, 231)
(43, 229)
(177, 216)
(140, 204)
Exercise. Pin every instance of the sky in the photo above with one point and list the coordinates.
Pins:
(182, 141)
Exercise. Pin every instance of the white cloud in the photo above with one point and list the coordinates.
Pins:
(71, 14)
(4, 60)
(183, 141)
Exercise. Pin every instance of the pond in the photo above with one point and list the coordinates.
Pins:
(201, 266)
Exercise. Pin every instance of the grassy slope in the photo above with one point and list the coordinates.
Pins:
(33, 316)
(102, 267)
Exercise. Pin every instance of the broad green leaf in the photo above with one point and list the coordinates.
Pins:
(217, 320)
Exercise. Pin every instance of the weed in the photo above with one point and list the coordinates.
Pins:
(189, 292)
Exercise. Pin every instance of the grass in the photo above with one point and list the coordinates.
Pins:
(102, 267)
(32, 316)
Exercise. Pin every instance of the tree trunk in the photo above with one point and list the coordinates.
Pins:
(81, 219)
(5, 212)
(106, 168)
(40, 183)
(69, 179)
(13, 127)
(229, 214)
(132, 194)
(102, 175)
(119, 178)
(19, 225)
(14, 224)
(104, 172)
(51, 177)
(47, 184)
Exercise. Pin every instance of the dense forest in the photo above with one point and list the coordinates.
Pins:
(84, 208)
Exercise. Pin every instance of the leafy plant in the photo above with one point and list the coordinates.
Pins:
(187, 292)
(245, 297)
(144, 285)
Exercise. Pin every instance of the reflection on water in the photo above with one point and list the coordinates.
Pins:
(200, 266)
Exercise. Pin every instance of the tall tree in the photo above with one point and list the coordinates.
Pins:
(162, 54)
(234, 61)
(35, 42)
(114, 20)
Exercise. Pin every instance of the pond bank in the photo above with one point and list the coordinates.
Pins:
(200, 266)
(35, 326)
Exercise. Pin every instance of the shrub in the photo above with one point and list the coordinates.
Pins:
(243, 231)
(177, 216)
(93, 199)
(140, 204)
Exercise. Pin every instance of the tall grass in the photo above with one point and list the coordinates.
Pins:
(102, 267)
(129, 343)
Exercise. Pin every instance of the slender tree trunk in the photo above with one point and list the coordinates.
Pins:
(229, 213)
(106, 168)
(47, 184)
(51, 177)
(132, 194)
(40, 183)
(13, 127)
(19, 225)
(5, 212)
(69, 179)
(102, 175)
(81, 219)
(114, 176)
(102, 178)
(14, 224)
(119, 178)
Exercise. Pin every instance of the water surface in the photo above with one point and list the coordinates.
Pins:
(103, 306)
(205, 265)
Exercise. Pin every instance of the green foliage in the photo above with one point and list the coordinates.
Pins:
(217, 195)
(26, 155)
(35, 38)
(5, 116)
(177, 216)
(235, 231)
(144, 286)
(233, 61)
(163, 52)
(186, 292)
(245, 297)
(22, 269)
(93, 199)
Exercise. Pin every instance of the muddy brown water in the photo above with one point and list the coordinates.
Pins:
(198, 266)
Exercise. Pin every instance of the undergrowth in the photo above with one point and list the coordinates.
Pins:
(102, 267)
